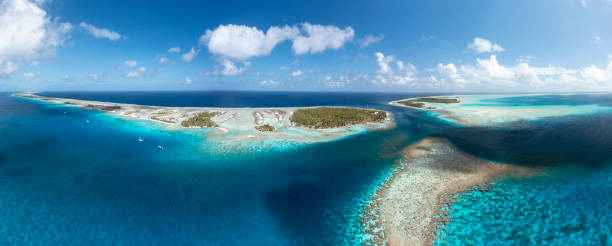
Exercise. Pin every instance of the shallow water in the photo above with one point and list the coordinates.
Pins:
(66, 181)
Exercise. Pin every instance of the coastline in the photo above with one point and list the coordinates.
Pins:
(495, 110)
(232, 124)
(405, 210)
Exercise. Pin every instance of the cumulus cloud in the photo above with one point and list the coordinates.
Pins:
(7, 68)
(163, 60)
(188, 57)
(130, 63)
(488, 72)
(141, 71)
(297, 73)
(230, 68)
(368, 40)
(596, 39)
(336, 82)
(31, 75)
(101, 32)
(188, 80)
(392, 71)
(482, 45)
(284, 68)
(240, 42)
(174, 50)
(319, 38)
(268, 82)
(27, 32)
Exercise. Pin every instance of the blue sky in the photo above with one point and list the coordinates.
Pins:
(445, 46)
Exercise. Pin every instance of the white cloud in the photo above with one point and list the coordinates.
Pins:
(482, 45)
(268, 82)
(141, 71)
(319, 38)
(525, 59)
(367, 40)
(297, 73)
(34, 63)
(402, 74)
(67, 78)
(7, 68)
(163, 60)
(335, 82)
(188, 80)
(488, 72)
(584, 2)
(101, 32)
(284, 68)
(93, 77)
(596, 39)
(31, 75)
(188, 57)
(240, 42)
(130, 63)
(27, 32)
(229, 68)
(174, 50)
(610, 56)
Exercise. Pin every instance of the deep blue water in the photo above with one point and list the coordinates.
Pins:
(66, 181)
(235, 99)
(69, 182)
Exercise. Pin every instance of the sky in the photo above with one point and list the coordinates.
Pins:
(394, 46)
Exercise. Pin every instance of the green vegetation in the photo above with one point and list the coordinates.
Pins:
(326, 117)
(411, 103)
(265, 128)
(419, 102)
(200, 120)
(110, 108)
(69, 103)
(162, 120)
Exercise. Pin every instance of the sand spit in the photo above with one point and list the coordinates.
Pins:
(233, 124)
(403, 211)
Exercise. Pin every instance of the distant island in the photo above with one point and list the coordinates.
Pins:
(309, 124)
(420, 102)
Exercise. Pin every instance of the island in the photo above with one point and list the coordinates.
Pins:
(303, 124)
(420, 102)
(494, 110)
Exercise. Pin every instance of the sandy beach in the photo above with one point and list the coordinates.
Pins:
(233, 124)
(404, 209)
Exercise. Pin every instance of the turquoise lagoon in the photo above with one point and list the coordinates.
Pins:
(72, 176)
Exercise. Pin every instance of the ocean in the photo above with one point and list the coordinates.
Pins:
(72, 176)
